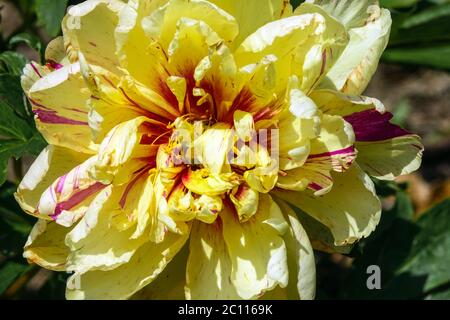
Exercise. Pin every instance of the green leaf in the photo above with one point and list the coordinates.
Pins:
(9, 272)
(27, 38)
(426, 16)
(11, 94)
(14, 224)
(440, 295)
(401, 113)
(430, 253)
(398, 3)
(413, 256)
(50, 14)
(18, 134)
(12, 63)
(433, 56)
(296, 3)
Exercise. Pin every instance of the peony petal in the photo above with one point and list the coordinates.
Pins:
(204, 182)
(256, 249)
(246, 202)
(384, 149)
(162, 23)
(124, 152)
(68, 197)
(59, 101)
(213, 146)
(369, 35)
(170, 284)
(52, 163)
(191, 43)
(91, 240)
(351, 209)
(315, 175)
(301, 263)
(390, 158)
(305, 45)
(89, 28)
(335, 144)
(334, 103)
(209, 265)
(135, 49)
(45, 245)
(350, 13)
(244, 12)
(146, 265)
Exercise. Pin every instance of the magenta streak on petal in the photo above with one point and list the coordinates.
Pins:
(60, 185)
(315, 186)
(76, 110)
(130, 186)
(324, 62)
(371, 125)
(36, 70)
(76, 199)
(50, 116)
(54, 65)
(75, 177)
(37, 104)
(346, 151)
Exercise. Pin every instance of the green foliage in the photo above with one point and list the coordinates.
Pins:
(18, 135)
(413, 255)
(420, 33)
(14, 230)
(50, 14)
(31, 40)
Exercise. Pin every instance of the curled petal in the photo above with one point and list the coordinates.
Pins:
(256, 249)
(45, 245)
(351, 210)
(59, 100)
(122, 282)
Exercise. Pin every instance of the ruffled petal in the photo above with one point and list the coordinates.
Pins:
(146, 265)
(301, 263)
(209, 266)
(385, 150)
(124, 152)
(59, 100)
(369, 27)
(305, 45)
(256, 249)
(91, 240)
(135, 49)
(162, 24)
(244, 12)
(68, 197)
(170, 284)
(89, 28)
(45, 245)
(351, 210)
(52, 163)
(246, 202)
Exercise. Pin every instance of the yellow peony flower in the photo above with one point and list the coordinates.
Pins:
(182, 133)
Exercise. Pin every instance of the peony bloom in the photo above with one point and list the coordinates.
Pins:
(183, 134)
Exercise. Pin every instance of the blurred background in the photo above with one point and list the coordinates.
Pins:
(412, 243)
